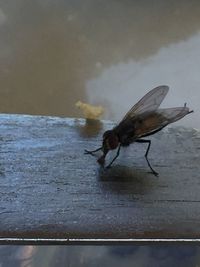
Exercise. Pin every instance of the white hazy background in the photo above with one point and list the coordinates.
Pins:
(177, 65)
(109, 53)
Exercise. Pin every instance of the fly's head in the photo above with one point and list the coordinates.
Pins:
(110, 141)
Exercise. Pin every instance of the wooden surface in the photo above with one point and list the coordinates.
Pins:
(50, 189)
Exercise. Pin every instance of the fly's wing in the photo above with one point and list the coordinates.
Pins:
(174, 114)
(150, 102)
(155, 121)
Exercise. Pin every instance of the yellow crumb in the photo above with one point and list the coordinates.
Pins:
(89, 111)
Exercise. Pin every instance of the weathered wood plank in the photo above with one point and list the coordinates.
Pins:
(50, 189)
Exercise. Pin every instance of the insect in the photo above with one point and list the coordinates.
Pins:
(143, 119)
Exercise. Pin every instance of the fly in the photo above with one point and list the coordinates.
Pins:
(143, 119)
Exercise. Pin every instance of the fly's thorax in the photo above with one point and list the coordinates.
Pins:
(110, 140)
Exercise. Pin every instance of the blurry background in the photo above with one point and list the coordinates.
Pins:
(98, 256)
(54, 53)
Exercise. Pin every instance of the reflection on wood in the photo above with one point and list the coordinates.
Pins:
(50, 189)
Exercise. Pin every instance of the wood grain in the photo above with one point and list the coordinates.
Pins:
(50, 189)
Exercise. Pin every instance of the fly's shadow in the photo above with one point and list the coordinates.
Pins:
(126, 180)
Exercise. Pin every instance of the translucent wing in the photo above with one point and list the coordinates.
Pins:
(174, 114)
(150, 102)
(155, 121)
(149, 123)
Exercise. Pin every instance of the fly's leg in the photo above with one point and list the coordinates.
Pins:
(109, 165)
(146, 154)
(92, 151)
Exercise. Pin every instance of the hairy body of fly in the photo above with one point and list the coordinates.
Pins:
(143, 119)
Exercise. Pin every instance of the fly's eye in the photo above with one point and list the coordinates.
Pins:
(112, 141)
(106, 134)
